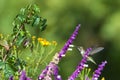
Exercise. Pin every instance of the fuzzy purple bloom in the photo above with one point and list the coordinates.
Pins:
(11, 78)
(56, 75)
(23, 76)
(70, 40)
(52, 68)
(43, 74)
(97, 72)
(81, 66)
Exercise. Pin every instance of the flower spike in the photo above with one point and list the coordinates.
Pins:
(81, 66)
(69, 42)
(23, 76)
(52, 68)
(97, 72)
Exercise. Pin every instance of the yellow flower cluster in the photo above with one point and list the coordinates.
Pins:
(33, 37)
(103, 78)
(43, 41)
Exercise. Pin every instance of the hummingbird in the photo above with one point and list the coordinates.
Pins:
(94, 51)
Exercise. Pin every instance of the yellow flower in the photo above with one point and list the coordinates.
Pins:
(103, 78)
(40, 39)
(54, 43)
(33, 37)
(45, 43)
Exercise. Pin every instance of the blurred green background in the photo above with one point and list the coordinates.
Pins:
(100, 26)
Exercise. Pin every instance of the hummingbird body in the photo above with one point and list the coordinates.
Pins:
(95, 50)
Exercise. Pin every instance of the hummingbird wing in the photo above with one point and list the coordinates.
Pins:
(96, 50)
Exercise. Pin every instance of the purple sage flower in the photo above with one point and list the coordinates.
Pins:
(11, 78)
(97, 72)
(23, 76)
(52, 68)
(70, 40)
(56, 75)
(81, 66)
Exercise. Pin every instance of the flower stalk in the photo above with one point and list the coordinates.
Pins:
(69, 42)
(81, 65)
(52, 68)
(97, 72)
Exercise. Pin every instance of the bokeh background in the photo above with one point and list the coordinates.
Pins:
(100, 26)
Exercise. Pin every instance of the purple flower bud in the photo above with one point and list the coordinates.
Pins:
(70, 40)
(11, 78)
(23, 76)
(52, 68)
(80, 66)
(97, 72)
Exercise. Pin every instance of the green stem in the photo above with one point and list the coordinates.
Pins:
(13, 41)
(43, 50)
(2, 54)
(37, 46)
(47, 55)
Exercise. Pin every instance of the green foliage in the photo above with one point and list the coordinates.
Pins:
(84, 74)
(96, 17)
(29, 16)
(11, 55)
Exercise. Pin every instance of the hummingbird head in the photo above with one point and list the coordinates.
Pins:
(80, 48)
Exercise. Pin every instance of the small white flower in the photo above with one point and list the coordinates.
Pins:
(71, 45)
(70, 49)
(85, 65)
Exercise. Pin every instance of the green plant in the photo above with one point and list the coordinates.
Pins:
(22, 54)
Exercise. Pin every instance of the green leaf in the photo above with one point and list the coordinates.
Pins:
(21, 18)
(42, 28)
(22, 33)
(43, 24)
(8, 71)
(22, 11)
(2, 64)
(20, 40)
(36, 8)
(36, 21)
